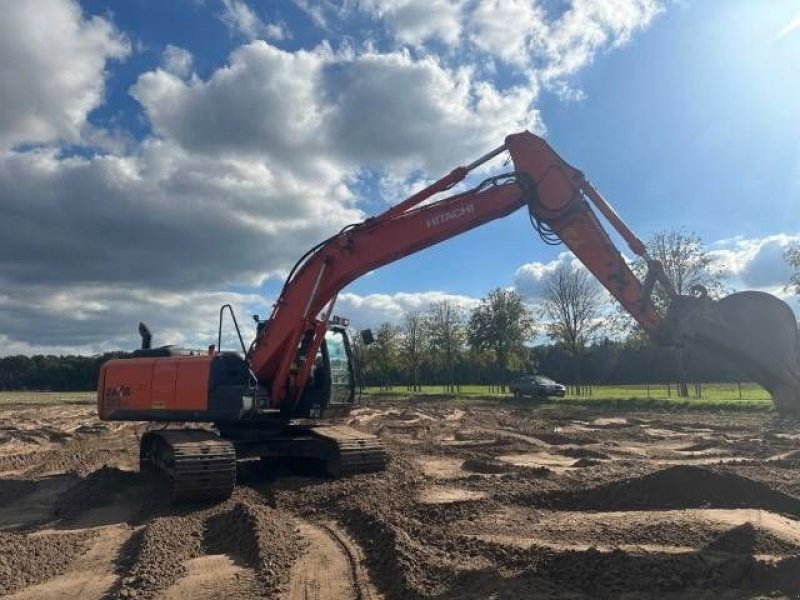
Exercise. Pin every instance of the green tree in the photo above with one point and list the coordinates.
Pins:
(446, 334)
(383, 352)
(412, 345)
(501, 324)
(688, 266)
(686, 263)
(572, 303)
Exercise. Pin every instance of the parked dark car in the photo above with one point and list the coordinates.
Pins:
(536, 386)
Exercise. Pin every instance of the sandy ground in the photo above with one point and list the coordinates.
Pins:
(479, 502)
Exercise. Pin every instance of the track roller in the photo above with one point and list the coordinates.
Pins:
(350, 451)
(198, 465)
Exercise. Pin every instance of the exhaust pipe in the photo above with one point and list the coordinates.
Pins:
(147, 337)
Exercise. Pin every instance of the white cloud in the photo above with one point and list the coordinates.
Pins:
(161, 216)
(373, 309)
(547, 42)
(754, 263)
(507, 29)
(242, 19)
(416, 21)
(64, 56)
(551, 48)
(588, 26)
(326, 112)
(276, 31)
(177, 61)
(98, 318)
(245, 168)
(529, 279)
(316, 11)
(390, 110)
(264, 103)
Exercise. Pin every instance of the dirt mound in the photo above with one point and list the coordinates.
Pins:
(19, 461)
(602, 532)
(94, 490)
(699, 447)
(29, 559)
(380, 513)
(749, 539)
(243, 528)
(402, 567)
(675, 487)
(82, 455)
(159, 551)
(559, 439)
(777, 576)
(267, 540)
(582, 453)
(610, 574)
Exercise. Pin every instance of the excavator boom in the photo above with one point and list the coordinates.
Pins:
(559, 199)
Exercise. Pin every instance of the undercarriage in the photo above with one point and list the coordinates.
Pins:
(200, 465)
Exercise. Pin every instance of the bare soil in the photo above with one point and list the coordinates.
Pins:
(479, 501)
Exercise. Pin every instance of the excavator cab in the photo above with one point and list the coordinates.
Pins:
(331, 388)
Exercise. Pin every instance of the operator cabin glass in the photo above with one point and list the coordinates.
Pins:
(341, 374)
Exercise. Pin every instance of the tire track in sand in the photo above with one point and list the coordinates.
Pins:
(332, 567)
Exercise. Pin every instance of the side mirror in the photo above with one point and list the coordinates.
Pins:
(366, 337)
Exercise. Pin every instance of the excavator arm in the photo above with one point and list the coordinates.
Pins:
(557, 196)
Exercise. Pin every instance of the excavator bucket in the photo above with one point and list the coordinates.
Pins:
(756, 331)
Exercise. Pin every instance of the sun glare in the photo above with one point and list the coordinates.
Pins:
(791, 27)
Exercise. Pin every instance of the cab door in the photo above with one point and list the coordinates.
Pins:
(341, 368)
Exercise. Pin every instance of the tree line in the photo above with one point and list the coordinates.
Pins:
(52, 373)
(592, 340)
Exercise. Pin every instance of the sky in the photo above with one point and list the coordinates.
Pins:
(160, 159)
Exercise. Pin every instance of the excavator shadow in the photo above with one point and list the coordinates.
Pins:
(618, 573)
(39, 497)
(261, 475)
(266, 471)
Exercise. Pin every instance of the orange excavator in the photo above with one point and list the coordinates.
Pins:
(278, 398)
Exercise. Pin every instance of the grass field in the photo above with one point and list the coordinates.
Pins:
(748, 396)
(717, 395)
(47, 398)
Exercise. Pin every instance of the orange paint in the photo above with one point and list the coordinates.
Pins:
(144, 384)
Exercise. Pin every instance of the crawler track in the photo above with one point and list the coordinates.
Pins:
(352, 451)
(198, 464)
